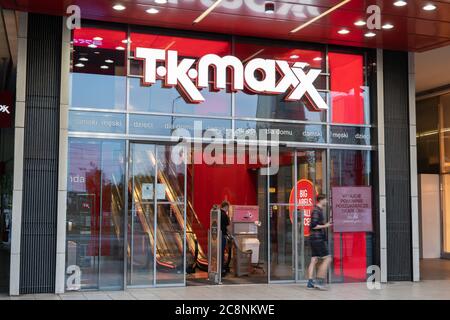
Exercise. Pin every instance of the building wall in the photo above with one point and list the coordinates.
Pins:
(38, 169)
(397, 164)
(39, 186)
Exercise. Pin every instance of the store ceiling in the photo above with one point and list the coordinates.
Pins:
(429, 74)
(415, 29)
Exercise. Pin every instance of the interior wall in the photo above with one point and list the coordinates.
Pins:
(430, 216)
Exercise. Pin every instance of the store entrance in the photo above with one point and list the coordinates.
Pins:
(292, 195)
(156, 216)
(170, 196)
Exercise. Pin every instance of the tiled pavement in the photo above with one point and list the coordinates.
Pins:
(400, 290)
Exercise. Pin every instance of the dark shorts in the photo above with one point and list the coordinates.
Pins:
(319, 249)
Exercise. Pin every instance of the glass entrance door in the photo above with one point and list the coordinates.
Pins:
(292, 195)
(156, 217)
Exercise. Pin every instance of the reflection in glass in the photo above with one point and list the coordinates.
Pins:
(281, 243)
(98, 68)
(157, 187)
(141, 218)
(95, 207)
(310, 166)
(156, 98)
(281, 225)
(428, 157)
(97, 91)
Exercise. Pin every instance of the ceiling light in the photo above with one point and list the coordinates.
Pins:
(294, 56)
(320, 16)
(119, 7)
(388, 26)
(96, 52)
(79, 65)
(109, 61)
(370, 34)
(104, 67)
(98, 38)
(120, 48)
(317, 59)
(343, 31)
(207, 11)
(93, 46)
(429, 7)
(400, 3)
(161, 1)
(269, 7)
(84, 59)
(152, 11)
(125, 41)
(360, 23)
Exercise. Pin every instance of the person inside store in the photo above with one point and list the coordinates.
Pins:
(225, 226)
(318, 243)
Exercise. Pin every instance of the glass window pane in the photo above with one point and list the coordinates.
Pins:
(251, 105)
(445, 133)
(82, 121)
(349, 95)
(352, 251)
(157, 98)
(427, 111)
(95, 212)
(98, 68)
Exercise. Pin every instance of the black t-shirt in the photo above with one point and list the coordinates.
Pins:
(317, 218)
(224, 222)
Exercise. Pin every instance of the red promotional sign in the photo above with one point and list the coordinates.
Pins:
(352, 209)
(6, 109)
(305, 201)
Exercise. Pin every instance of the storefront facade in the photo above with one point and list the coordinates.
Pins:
(124, 214)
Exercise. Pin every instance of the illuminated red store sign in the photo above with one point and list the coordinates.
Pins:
(191, 75)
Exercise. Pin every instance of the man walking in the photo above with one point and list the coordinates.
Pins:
(319, 248)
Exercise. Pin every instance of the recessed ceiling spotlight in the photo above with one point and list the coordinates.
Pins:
(120, 48)
(104, 67)
(98, 38)
(269, 7)
(343, 31)
(96, 52)
(93, 46)
(161, 1)
(360, 23)
(370, 34)
(388, 26)
(152, 11)
(294, 56)
(109, 61)
(429, 7)
(84, 59)
(400, 3)
(317, 59)
(79, 65)
(119, 7)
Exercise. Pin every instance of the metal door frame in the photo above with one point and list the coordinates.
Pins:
(155, 144)
(325, 186)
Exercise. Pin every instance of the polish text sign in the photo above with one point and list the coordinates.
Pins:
(352, 209)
